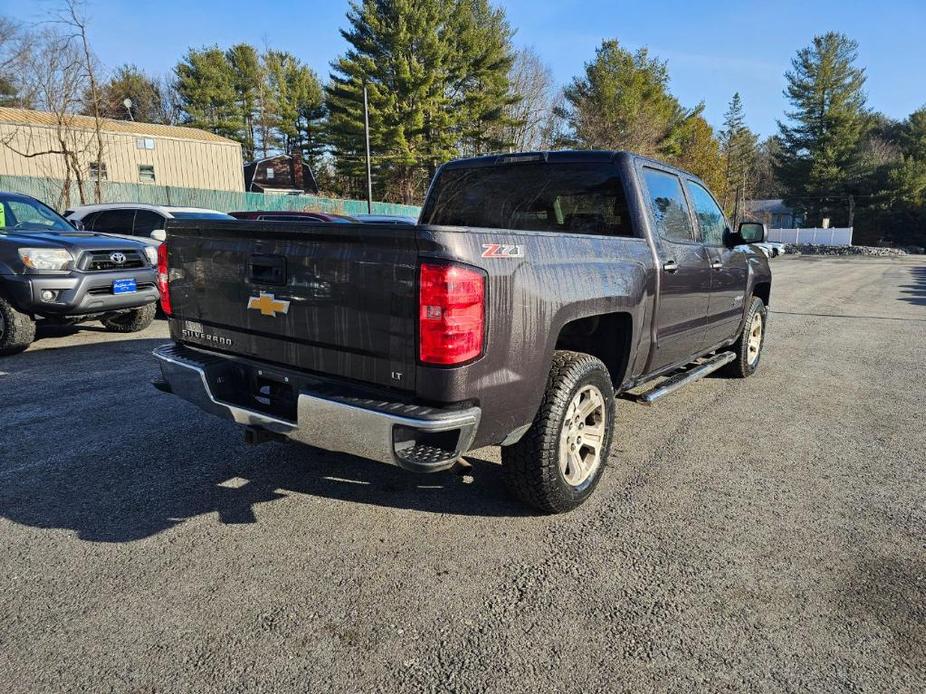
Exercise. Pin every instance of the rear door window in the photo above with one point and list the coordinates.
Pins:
(668, 207)
(115, 221)
(532, 196)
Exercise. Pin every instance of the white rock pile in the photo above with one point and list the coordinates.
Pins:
(812, 249)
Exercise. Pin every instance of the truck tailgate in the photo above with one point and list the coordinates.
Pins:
(339, 299)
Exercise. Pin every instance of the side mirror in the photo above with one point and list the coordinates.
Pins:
(752, 232)
(78, 224)
(158, 235)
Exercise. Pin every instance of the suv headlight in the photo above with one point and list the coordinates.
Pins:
(46, 258)
(152, 254)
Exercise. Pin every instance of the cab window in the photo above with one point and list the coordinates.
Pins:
(710, 217)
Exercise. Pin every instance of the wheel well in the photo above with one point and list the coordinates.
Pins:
(606, 336)
(763, 290)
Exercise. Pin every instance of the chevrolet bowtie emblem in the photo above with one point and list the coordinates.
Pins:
(268, 305)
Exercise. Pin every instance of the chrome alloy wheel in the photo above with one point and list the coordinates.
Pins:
(755, 339)
(582, 438)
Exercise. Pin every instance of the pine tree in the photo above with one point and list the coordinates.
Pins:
(622, 101)
(205, 84)
(437, 77)
(820, 146)
(480, 76)
(269, 103)
(295, 102)
(247, 80)
(739, 150)
(129, 82)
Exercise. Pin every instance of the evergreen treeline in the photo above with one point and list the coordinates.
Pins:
(444, 81)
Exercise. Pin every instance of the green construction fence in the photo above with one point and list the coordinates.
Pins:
(49, 191)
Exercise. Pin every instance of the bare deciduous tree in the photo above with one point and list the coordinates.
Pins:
(51, 79)
(51, 69)
(73, 17)
(532, 81)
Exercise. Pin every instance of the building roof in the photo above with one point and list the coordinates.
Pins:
(22, 116)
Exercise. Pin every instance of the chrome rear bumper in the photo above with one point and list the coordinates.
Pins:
(420, 439)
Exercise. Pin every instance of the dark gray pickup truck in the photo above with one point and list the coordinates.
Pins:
(50, 270)
(534, 289)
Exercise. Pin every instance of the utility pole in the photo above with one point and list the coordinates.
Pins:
(851, 210)
(366, 132)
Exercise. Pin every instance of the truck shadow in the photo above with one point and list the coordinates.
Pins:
(915, 293)
(114, 460)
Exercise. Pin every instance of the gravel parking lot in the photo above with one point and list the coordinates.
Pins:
(760, 535)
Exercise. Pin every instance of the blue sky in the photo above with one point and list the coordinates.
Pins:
(713, 48)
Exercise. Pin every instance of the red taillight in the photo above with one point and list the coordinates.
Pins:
(163, 286)
(451, 314)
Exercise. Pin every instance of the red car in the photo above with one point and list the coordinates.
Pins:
(294, 216)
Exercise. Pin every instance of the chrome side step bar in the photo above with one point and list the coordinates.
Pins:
(679, 380)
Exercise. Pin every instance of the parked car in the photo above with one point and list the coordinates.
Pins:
(386, 219)
(137, 221)
(534, 289)
(771, 249)
(293, 216)
(52, 271)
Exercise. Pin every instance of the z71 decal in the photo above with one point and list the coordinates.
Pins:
(502, 250)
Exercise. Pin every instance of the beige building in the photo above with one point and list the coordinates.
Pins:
(31, 145)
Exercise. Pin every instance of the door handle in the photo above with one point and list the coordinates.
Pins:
(670, 266)
(717, 265)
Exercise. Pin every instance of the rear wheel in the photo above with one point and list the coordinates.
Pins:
(17, 329)
(748, 348)
(559, 461)
(130, 321)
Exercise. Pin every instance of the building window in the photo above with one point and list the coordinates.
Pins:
(146, 173)
(144, 143)
(97, 171)
(270, 173)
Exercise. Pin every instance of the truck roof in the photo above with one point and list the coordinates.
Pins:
(574, 156)
(565, 155)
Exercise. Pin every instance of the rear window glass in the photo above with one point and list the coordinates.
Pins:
(573, 198)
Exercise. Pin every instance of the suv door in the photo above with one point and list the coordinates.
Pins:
(685, 274)
(728, 268)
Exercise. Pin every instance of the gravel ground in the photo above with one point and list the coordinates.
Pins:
(760, 535)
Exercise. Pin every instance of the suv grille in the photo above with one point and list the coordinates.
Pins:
(101, 261)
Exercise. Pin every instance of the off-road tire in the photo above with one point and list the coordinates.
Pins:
(742, 366)
(17, 329)
(130, 321)
(531, 466)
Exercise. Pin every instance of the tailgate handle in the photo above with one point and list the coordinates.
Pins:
(267, 269)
